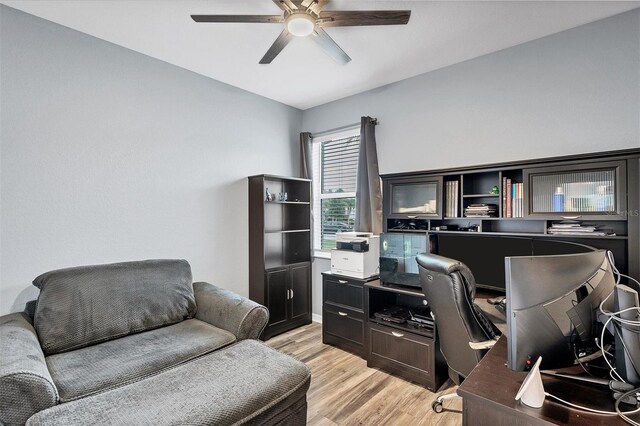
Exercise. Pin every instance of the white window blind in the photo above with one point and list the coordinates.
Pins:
(335, 164)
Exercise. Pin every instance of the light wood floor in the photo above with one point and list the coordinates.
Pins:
(344, 391)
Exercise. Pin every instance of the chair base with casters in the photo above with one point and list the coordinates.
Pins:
(437, 404)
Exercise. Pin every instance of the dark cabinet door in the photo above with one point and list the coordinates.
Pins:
(300, 279)
(277, 294)
(413, 197)
(594, 191)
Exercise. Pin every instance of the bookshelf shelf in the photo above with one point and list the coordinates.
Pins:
(529, 234)
(481, 196)
(287, 202)
(287, 231)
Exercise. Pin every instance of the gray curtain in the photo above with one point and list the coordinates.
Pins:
(305, 155)
(306, 172)
(368, 187)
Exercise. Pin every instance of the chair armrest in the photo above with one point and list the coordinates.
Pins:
(26, 386)
(227, 310)
(487, 344)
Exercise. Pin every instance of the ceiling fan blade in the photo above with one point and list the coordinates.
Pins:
(340, 18)
(277, 46)
(267, 19)
(315, 5)
(330, 47)
(285, 5)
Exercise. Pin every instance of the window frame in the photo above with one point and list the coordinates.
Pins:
(317, 195)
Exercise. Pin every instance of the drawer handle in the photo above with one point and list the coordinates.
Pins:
(397, 334)
(342, 314)
(342, 281)
(413, 216)
(570, 217)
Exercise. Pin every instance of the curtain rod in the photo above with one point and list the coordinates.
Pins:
(339, 129)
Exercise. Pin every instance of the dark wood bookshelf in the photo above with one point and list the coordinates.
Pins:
(610, 203)
(280, 251)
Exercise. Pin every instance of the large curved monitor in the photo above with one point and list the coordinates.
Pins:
(484, 254)
(552, 306)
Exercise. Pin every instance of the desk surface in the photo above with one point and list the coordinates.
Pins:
(489, 392)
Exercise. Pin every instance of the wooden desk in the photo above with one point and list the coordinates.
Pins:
(488, 397)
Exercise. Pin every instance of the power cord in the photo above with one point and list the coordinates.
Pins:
(606, 413)
(624, 414)
(617, 321)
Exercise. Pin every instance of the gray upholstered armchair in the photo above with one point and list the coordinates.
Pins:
(130, 327)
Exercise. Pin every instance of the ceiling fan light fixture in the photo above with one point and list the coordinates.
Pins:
(300, 24)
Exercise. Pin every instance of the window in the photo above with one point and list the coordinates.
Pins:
(335, 164)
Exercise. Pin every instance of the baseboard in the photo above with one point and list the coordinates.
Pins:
(316, 318)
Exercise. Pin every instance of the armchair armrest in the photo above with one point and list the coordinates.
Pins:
(227, 310)
(26, 386)
(487, 344)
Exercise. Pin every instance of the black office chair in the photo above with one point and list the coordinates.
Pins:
(464, 331)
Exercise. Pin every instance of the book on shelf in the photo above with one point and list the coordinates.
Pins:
(481, 210)
(577, 228)
(504, 197)
(508, 197)
(512, 198)
(452, 195)
(456, 204)
(517, 206)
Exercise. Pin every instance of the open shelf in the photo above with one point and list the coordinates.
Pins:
(287, 202)
(288, 231)
(381, 296)
(531, 234)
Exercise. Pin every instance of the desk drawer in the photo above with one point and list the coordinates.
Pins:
(344, 292)
(343, 323)
(402, 353)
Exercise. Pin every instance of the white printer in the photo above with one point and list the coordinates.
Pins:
(356, 254)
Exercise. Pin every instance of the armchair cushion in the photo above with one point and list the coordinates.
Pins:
(26, 386)
(245, 383)
(225, 309)
(115, 363)
(82, 306)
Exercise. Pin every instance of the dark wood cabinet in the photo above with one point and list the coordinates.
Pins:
(413, 198)
(410, 352)
(348, 322)
(300, 292)
(404, 354)
(288, 297)
(526, 199)
(591, 191)
(343, 314)
(280, 250)
(277, 281)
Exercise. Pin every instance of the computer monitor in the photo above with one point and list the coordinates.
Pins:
(398, 253)
(485, 254)
(552, 306)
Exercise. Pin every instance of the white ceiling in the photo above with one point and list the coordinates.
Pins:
(438, 34)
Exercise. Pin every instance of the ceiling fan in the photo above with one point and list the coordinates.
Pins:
(306, 18)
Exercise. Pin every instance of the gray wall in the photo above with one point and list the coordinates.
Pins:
(108, 155)
(573, 92)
